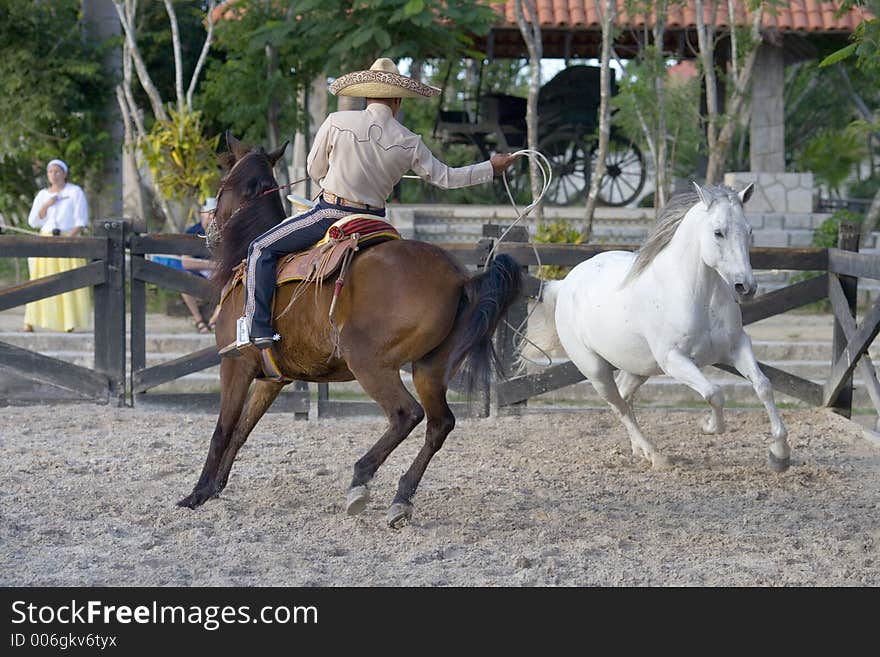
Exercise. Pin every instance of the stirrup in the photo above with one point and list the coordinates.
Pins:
(234, 349)
(264, 342)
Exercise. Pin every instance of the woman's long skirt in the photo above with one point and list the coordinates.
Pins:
(63, 312)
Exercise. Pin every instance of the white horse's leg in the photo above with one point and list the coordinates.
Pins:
(682, 368)
(742, 357)
(627, 384)
(601, 376)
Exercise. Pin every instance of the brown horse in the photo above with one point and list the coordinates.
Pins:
(405, 302)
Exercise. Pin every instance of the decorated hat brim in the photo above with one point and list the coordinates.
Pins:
(379, 84)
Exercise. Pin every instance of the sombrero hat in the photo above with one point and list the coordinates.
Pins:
(383, 80)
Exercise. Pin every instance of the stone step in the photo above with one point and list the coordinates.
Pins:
(155, 343)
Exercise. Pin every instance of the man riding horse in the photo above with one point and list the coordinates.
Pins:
(358, 157)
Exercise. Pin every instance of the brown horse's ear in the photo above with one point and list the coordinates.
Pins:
(274, 156)
(235, 146)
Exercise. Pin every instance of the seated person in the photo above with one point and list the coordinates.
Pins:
(200, 266)
(196, 265)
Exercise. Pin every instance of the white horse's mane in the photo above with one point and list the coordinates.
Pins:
(670, 219)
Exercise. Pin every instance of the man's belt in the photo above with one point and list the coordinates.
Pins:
(329, 197)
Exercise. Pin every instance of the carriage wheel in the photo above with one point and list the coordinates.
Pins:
(568, 154)
(624, 172)
(518, 181)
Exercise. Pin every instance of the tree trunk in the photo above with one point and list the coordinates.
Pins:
(315, 104)
(720, 139)
(871, 220)
(101, 23)
(531, 33)
(126, 11)
(661, 190)
(608, 15)
(273, 127)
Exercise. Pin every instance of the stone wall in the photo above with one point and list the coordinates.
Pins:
(464, 223)
(775, 192)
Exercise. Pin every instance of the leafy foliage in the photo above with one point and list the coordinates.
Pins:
(865, 46)
(866, 188)
(556, 232)
(832, 154)
(181, 160)
(240, 87)
(53, 99)
(338, 36)
(637, 95)
(826, 234)
(346, 33)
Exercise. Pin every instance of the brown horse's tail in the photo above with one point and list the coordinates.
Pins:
(485, 299)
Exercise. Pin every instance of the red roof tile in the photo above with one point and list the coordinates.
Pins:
(798, 16)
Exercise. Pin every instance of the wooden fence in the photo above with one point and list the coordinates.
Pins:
(105, 273)
(839, 270)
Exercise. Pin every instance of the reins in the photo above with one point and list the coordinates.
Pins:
(214, 234)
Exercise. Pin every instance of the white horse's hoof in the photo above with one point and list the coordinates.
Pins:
(660, 462)
(399, 514)
(357, 499)
(776, 463)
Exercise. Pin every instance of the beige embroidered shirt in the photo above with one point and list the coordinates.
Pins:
(361, 155)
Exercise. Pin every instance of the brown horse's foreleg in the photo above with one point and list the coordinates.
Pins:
(429, 380)
(235, 379)
(265, 392)
(403, 413)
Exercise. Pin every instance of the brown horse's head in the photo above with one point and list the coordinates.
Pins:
(248, 204)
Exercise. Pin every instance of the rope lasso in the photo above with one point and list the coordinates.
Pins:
(547, 175)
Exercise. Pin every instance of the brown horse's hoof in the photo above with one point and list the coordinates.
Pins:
(357, 499)
(399, 515)
(197, 498)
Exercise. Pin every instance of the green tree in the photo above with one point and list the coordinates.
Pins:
(252, 86)
(865, 48)
(833, 154)
(172, 142)
(52, 99)
(271, 51)
(347, 33)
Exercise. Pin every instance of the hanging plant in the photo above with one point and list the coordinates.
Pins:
(181, 160)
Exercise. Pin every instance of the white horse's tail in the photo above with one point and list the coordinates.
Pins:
(541, 342)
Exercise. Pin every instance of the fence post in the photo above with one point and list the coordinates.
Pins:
(301, 386)
(138, 323)
(110, 312)
(847, 240)
(323, 399)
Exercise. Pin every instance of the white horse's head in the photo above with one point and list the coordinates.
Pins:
(725, 237)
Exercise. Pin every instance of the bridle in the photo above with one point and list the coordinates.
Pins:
(213, 234)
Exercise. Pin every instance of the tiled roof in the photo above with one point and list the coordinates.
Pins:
(796, 16)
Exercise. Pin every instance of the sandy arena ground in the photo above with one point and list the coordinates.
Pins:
(552, 499)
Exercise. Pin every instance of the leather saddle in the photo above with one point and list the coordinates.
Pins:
(350, 234)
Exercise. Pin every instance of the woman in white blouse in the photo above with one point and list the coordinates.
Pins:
(60, 209)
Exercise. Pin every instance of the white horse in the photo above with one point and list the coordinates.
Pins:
(670, 307)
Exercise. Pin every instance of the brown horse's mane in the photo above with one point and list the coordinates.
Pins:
(249, 211)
